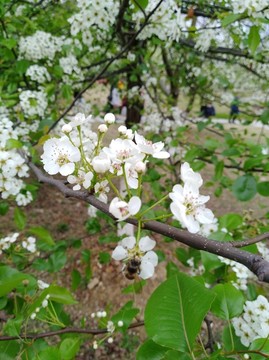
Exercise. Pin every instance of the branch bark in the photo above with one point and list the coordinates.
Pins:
(64, 331)
(253, 262)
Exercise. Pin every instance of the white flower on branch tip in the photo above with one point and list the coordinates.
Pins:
(122, 210)
(60, 156)
(79, 119)
(122, 150)
(147, 147)
(81, 179)
(187, 204)
(189, 176)
(127, 250)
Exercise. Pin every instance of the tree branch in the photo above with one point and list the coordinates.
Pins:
(253, 262)
(102, 71)
(64, 331)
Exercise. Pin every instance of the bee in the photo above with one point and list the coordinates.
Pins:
(132, 268)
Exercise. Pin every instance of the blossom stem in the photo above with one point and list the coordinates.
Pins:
(155, 204)
(114, 187)
(138, 234)
(126, 182)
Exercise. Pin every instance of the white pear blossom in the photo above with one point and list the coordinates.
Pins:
(147, 147)
(29, 244)
(122, 210)
(253, 323)
(60, 156)
(82, 179)
(78, 120)
(187, 204)
(42, 284)
(101, 189)
(128, 250)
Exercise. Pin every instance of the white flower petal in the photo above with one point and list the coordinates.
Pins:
(146, 243)
(128, 242)
(119, 253)
(134, 205)
(151, 257)
(147, 270)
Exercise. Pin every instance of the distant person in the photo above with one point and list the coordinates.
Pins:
(207, 111)
(210, 111)
(234, 110)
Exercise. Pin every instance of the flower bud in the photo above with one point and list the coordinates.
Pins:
(101, 163)
(109, 118)
(66, 128)
(140, 167)
(122, 129)
(102, 128)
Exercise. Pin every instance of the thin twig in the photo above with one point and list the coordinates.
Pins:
(63, 331)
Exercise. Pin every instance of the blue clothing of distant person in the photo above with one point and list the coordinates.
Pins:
(234, 110)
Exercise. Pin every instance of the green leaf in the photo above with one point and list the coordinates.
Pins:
(244, 187)
(69, 348)
(167, 314)
(49, 354)
(13, 144)
(150, 351)
(9, 43)
(176, 355)
(4, 207)
(254, 38)
(10, 279)
(76, 279)
(42, 234)
(219, 170)
(140, 4)
(263, 188)
(57, 261)
(9, 350)
(13, 326)
(252, 163)
(19, 218)
(230, 340)
(261, 345)
(93, 226)
(126, 315)
(104, 257)
(60, 295)
(136, 287)
(210, 261)
(229, 19)
(230, 221)
(228, 302)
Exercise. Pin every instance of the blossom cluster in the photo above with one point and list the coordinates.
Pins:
(38, 73)
(12, 165)
(28, 243)
(80, 155)
(254, 321)
(40, 45)
(33, 102)
(97, 15)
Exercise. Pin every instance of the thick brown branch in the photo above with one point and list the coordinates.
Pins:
(253, 262)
